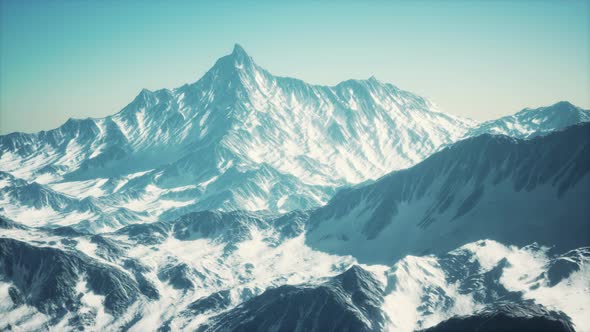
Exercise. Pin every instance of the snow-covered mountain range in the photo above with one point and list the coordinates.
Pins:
(152, 277)
(533, 122)
(251, 202)
(495, 187)
(216, 271)
(238, 138)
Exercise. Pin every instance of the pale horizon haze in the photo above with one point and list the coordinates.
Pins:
(476, 59)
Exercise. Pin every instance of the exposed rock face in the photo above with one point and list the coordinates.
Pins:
(486, 187)
(525, 317)
(348, 302)
(46, 278)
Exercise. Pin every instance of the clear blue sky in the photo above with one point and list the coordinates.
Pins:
(479, 59)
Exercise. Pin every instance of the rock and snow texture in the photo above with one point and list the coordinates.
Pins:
(506, 189)
(212, 207)
(525, 317)
(237, 271)
(350, 301)
(213, 270)
(238, 138)
(534, 122)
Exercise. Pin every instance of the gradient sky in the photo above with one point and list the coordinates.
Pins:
(477, 59)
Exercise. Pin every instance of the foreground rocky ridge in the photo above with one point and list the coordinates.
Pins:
(488, 186)
(200, 278)
(509, 317)
(350, 301)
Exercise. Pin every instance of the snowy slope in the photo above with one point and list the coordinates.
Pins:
(496, 187)
(509, 317)
(350, 301)
(533, 122)
(431, 242)
(220, 270)
(241, 138)
(40, 205)
(238, 138)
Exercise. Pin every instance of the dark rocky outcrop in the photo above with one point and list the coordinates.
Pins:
(523, 317)
(348, 302)
(46, 278)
